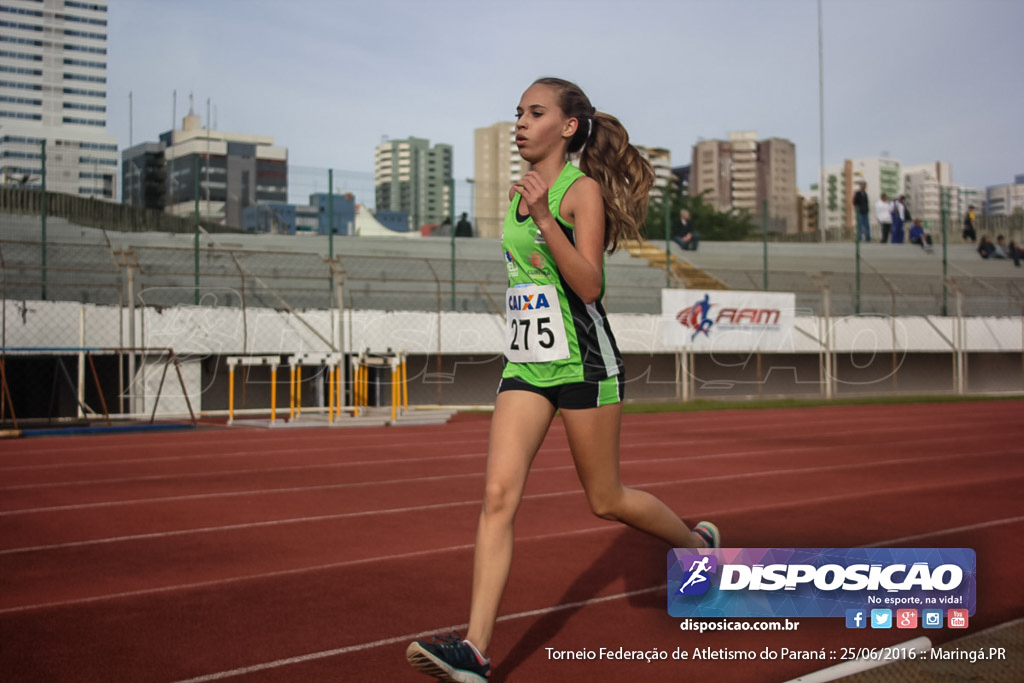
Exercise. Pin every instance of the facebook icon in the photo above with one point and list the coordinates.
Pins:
(856, 618)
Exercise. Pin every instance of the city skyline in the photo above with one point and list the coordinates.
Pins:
(931, 90)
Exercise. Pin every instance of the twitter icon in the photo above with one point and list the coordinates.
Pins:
(881, 618)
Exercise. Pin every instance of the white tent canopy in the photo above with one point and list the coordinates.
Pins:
(367, 225)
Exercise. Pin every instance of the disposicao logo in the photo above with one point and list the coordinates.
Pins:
(696, 580)
(817, 582)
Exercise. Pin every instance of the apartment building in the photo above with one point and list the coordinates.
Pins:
(776, 185)
(496, 165)
(661, 161)
(411, 175)
(922, 185)
(881, 174)
(1004, 200)
(217, 172)
(53, 96)
(742, 173)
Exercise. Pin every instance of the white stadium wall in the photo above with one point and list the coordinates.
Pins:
(455, 358)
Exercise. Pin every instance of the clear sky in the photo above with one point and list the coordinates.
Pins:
(916, 80)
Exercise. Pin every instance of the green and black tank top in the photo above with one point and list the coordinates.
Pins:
(552, 336)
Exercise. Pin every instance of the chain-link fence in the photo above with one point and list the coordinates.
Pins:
(79, 273)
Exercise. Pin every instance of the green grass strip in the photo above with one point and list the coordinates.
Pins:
(699, 405)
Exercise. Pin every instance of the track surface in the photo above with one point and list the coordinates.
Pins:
(316, 555)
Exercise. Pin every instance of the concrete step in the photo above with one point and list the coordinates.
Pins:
(693, 277)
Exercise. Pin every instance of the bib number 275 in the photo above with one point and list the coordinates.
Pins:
(521, 336)
(534, 331)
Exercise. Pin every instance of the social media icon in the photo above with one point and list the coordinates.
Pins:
(931, 618)
(906, 618)
(957, 618)
(881, 618)
(856, 618)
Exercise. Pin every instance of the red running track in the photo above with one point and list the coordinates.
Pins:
(316, 554)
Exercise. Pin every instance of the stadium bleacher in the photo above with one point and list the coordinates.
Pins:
(388, 274)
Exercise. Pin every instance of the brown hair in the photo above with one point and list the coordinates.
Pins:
(623, 174)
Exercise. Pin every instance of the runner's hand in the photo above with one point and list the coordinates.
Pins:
(535, 194)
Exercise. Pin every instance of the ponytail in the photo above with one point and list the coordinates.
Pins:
(625, 178)
(623, 174)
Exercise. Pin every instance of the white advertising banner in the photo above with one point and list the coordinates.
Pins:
(726, 320)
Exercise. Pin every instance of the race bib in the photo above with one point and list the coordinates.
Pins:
(534, 329)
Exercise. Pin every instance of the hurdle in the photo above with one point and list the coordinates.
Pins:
(332, 404)
(333, 363)
(397, 363)
(234, 362)
(85, 414)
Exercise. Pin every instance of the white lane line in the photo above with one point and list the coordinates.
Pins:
(300, 659)
(689, 443)
(969, 527)
(312, 656)
(357, 440)
(833, 673)
(298, 489)
(256, 471)
(280, 573)
(247, 453)
(432, 551)
(476, 501)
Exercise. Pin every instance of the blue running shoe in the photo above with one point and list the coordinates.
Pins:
(709, 532)
(449, 658)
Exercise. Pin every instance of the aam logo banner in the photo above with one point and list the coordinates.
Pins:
(817, 582)
(727, 320)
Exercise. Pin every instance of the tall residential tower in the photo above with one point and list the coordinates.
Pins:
(412, 176)
(53, 89)
(743, 173)
(496, 164)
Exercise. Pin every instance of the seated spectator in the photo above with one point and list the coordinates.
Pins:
(985, 248)
(683, 233)
(1001, 250)
(1016, 253)
(918, 236)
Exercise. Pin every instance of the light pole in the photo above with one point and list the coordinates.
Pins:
(821, 130)
(43, 206)
(945, 218)
(451, 227)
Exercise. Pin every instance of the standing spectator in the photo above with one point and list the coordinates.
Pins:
(463, 228)
(969, 226)
(883, 212)
(860, 202)
(900, 216)
(683, 233)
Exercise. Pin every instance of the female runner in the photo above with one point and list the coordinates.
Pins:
(560, 353)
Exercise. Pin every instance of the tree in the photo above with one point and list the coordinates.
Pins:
(730, 226)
